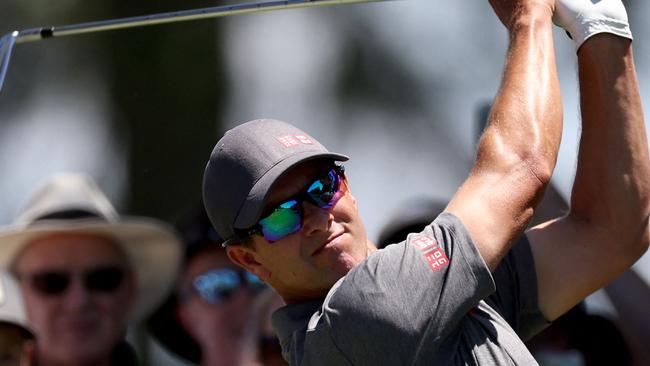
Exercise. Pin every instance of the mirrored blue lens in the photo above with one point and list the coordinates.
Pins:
(284, 220)
(217, 285)
(322, 191)
(253, 281)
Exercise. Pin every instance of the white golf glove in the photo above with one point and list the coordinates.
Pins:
(585, 18)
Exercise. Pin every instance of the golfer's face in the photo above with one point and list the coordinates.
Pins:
(78, 292)
(304, 265)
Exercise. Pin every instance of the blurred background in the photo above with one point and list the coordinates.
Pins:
(399, 86)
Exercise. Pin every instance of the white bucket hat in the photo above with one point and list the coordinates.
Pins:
(74, 203)
(12, 308)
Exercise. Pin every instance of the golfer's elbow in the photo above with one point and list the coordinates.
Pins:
(631, 238)
(541, 170)
(643, 243)
(637, 228)
(537, 170)
(634, 246)
(531, 162)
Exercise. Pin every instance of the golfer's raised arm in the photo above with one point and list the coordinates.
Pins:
(517, 152)
(606, 230)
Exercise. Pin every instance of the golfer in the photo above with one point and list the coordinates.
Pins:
(473, 284)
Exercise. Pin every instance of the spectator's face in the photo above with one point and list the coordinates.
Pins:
(76, 317)
(217, 325)
(304, 265)
(270, 349)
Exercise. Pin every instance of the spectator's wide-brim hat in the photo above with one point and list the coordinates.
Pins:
(73, 203)
(12, 307)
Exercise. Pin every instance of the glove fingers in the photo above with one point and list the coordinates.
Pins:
(585, 18)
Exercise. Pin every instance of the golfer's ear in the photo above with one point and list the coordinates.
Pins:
(247, 259)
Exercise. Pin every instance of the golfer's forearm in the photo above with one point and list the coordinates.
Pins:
(518, 150)
(612, 185)
(525, 123)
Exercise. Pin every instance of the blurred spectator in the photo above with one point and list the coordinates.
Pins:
(85, 272)
(214, 315)
(16, 338)
(270, 350)
(411, 217)
(578, 338)
(630, 295)
(583, 339)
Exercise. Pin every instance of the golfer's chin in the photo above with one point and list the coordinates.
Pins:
(342, 265)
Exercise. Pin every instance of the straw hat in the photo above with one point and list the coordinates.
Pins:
(74, 203)
(12, 308)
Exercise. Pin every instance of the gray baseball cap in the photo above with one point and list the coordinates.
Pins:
(245, 164)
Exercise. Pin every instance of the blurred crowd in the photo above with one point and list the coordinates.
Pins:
(76, 276)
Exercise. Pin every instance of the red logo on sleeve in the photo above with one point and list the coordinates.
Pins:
(435, 256)
(424, 242)
(436, 259)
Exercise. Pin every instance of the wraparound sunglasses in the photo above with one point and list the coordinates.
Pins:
(54, 283)
(218, 285)
(287, 217)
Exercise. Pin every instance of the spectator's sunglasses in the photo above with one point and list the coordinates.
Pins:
(104, 279)
(218, 285)
(286, 218)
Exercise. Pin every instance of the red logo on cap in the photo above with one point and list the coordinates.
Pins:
(304, 139)
(435, 256)
(294, 140)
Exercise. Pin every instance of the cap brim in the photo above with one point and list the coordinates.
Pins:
(151, 246)
(252, 208)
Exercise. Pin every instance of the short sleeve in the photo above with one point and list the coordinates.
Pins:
(407, 296)
(516, 291)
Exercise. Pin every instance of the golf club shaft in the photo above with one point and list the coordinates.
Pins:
(36, 34)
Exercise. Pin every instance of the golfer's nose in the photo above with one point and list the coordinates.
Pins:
(315, 219)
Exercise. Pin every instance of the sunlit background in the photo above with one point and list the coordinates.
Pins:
(399, 86)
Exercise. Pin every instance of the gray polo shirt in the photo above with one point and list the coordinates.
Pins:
(430, 300)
